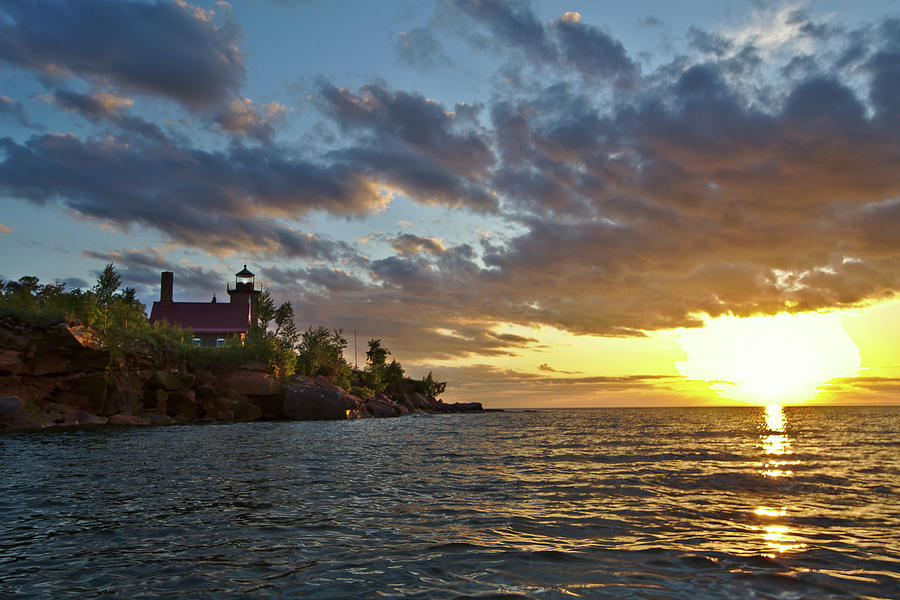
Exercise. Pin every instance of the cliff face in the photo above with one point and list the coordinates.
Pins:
(54, 375)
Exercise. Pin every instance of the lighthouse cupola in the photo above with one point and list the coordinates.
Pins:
(245, 291)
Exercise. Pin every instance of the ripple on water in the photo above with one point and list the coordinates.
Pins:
(667, 503)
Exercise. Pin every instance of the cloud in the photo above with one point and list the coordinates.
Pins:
(549, 369)
(711, 186)
(242, 117)
(567, 42)
(218, 201)
(14, 109)
(408, 244)
(411, 143)
(520, 389)
(141, 268)
(99, 105)
(105, 106)
(168, 49)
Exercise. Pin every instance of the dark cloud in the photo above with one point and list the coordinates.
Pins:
(513, 25)
(432, 154)
(566, 42)
(161, 48)
(104, 106)
(212, 200)
(594, 53)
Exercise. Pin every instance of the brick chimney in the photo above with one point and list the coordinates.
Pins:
(166, 283)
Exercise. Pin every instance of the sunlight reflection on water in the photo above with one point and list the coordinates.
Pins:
(776, 444)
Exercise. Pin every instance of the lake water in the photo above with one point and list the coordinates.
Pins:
(693, 503)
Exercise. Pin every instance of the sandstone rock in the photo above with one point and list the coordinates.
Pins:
(245, 410)
(128, 420)
(271, 405)
(326, 384)
(171, 380)
(58, 351)
(417, 400)
(124, 402)
(181, 405)
(232, 409)
(204, 391)
(33, 390)
(381, 409)
(15, 415)
(87, 391)
(10, 405)
(155, 400)
(65, 415)
(249, 383)
(155, 418)
(311, 400)
(12, 362)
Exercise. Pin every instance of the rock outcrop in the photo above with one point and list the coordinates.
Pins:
(316, 398)
(55, 375)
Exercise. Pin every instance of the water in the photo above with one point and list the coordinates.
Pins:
(600, 503)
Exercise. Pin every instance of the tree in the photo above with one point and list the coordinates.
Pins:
(103, 292)
(376, 355)
(321, 352)
(265, 310)
(430, 387)
(285, 328)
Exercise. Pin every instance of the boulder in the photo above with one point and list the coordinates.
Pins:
(155, 418)
(33, 390)
(232, 409)
(15, 415)
(87, 391)
(181, 405)
(65, 415)
(10, 405)
(205, 391)
(58, 349)
(249, 383)
(128, 420)
(171, 380)
(380, 409)
(417, 400)
(124, 402)
(311, 400)
(12, 362)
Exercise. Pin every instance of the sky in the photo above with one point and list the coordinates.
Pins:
(544, 203)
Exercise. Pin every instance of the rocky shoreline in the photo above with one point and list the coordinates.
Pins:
(54, 376)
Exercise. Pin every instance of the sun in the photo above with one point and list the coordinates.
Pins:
(769, 360)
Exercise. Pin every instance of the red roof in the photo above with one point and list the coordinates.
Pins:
(204, 317)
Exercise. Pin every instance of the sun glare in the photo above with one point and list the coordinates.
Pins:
(769, 360)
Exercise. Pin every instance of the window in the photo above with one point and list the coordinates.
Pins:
(197, 341)
(220, 342)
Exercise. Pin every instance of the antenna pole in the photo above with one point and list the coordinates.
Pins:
(355, 350)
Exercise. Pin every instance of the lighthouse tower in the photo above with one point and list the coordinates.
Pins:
(246, 291)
